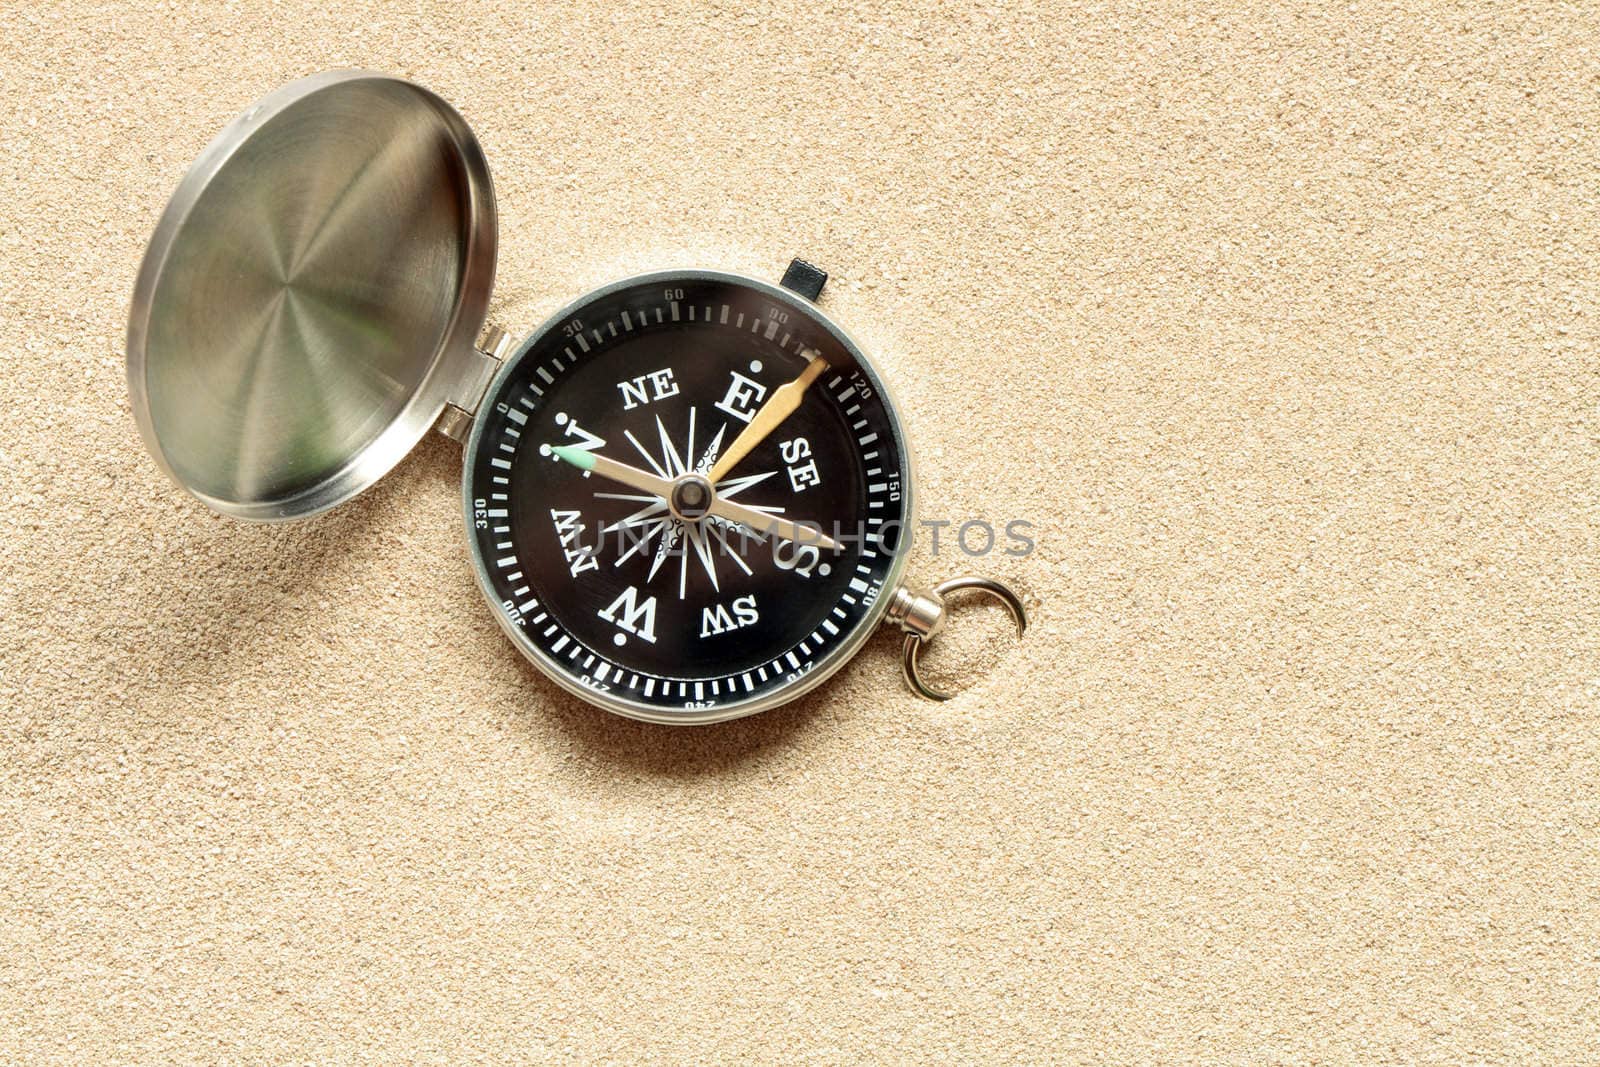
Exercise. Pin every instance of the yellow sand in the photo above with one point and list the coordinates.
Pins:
(1279, 321)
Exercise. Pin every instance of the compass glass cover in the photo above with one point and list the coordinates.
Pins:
(631, 594)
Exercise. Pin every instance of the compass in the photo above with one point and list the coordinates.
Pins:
(687, 495)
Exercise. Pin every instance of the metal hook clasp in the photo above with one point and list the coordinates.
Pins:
(922, 613)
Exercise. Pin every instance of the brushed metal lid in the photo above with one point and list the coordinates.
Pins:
(311, 294)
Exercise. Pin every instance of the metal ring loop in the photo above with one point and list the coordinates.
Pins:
(913, 645)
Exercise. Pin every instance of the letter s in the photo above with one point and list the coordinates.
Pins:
(1025, 541)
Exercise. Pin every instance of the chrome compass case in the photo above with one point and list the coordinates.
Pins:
(687, 496)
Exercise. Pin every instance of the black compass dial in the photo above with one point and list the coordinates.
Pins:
(688, 495)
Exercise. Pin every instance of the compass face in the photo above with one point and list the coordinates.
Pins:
(688, 494)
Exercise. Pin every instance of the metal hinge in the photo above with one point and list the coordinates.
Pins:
(456, 420)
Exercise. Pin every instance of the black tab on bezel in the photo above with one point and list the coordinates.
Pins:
(804, 278)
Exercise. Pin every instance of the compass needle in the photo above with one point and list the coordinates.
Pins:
(756, 519)
(779, 406)
(632, 477)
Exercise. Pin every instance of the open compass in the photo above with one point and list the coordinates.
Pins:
(688, 495)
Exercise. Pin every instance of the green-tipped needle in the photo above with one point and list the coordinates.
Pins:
(721, 507)
(581, 458)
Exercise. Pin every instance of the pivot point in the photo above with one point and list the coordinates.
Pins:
(691, 497)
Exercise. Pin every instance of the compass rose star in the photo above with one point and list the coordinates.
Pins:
(660, 521)
(651, 524)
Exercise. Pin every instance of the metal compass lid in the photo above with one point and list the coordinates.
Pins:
(309, 300)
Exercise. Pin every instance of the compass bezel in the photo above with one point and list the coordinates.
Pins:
(823, 668)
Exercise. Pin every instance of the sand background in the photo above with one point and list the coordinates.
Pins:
(1278, 320)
